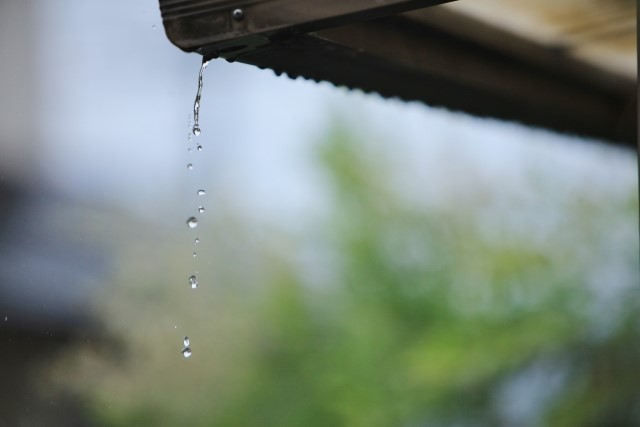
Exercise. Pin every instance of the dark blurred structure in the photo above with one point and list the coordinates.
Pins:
(46, 280)
(434, 55)
(46, 274)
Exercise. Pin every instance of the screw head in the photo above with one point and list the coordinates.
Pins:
(238, 14)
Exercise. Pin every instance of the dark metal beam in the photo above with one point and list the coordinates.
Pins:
(194, 24)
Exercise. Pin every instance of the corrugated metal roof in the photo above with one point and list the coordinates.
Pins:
(567, 65)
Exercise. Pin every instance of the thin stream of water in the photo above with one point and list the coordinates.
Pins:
(196, 104)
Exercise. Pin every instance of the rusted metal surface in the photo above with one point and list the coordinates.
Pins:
(430, 55)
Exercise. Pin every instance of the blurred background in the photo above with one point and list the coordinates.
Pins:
(361, 261)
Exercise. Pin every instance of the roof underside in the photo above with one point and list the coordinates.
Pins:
(495, 58)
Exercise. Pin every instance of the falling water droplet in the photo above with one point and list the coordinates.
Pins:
(197, 241)
(196, 104)
(201, 209)
(192, 222)
(186, 341)
(193, 281)
(190, 166)
(186, 352)
(199, 147)
(195, 255)
(201, 192)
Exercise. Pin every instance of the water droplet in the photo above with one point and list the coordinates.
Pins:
(186, 352)
(186, 341)
(196, 130)
(199, 147)
(190, 166)
(193, 281)
(195, 255)
(153, 27)
(6, 318)
(175, 326)
(192, 222)
(201, 192)
(201, 209)
(197, 240)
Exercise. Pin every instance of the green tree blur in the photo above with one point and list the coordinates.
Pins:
(419, 315)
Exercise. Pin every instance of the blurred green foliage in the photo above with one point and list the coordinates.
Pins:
(424, 318)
